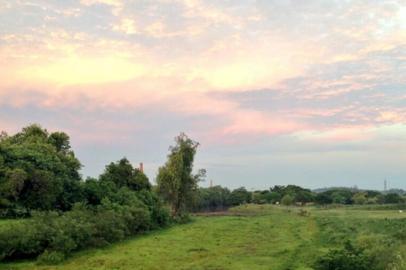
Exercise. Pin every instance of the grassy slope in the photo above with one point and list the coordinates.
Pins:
(267, 238)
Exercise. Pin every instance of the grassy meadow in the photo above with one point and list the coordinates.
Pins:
(246, 237)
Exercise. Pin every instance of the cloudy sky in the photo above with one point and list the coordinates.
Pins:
(303, 92)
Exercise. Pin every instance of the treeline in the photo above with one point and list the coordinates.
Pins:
(219, 198)
(39, 172)
(40, 183)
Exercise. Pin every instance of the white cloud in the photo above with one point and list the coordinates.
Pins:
(114, 3)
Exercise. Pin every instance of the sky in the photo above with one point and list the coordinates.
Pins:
(309, 92)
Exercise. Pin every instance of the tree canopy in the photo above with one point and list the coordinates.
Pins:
(38, 170)
(175, 180)
(123, 174)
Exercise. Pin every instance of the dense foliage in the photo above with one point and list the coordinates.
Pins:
(39, 178)
(175, 181)
(364, 243)
(38, 171)
(347, 258)
(122, 174)
(54, 236)
(213, 199)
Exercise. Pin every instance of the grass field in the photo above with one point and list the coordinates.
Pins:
(248, 237)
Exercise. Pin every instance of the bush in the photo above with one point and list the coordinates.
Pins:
(287, 200)
(384, 250)
(53, 257)
(54, 236)
(348, 258)
(183, 218)
(160, 214)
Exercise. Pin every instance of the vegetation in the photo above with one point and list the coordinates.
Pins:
(38, 171)
(39, 179)
(213, 199)
(256, 237)
(219, 198)
(175, 180)
(52, 212)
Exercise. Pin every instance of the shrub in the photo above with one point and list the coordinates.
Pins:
(54, 236)
(160, 214)
(183, 218)
(348, 258)
(287, 200)
(303, 213)
(53, 257)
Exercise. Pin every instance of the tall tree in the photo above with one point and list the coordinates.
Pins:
(176, 181)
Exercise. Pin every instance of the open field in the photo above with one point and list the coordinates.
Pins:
(248, 237)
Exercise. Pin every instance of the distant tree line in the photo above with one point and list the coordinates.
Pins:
(220, 198)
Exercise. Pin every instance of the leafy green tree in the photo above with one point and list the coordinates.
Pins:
(258, 197)
(323, 198)
(38, 170)
(335, 195)
(299, 194)
(175, 180)
(287, 200)
(212, 199)
(360, 198)
(273, 197)
(338, 198)
(123, 174)
(60, 140)
(393, 198)
(240, 196)
(303, 196)
(94, 191)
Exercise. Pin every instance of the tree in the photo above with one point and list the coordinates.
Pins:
(60, 140)
(212, 199)
(38, 170)
(299, 194)
(393, 198)
(175, 180)
(273, 197)
(360, 198)
(303, 196)
(340, 195)
(240, 196)
(258, 197)
(323, 198)
(338, 198)
(95, 191)
(123, 174)
(287, 200)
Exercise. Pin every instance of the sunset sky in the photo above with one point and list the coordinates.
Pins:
(277, 92)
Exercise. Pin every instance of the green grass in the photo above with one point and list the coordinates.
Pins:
(253, 237)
